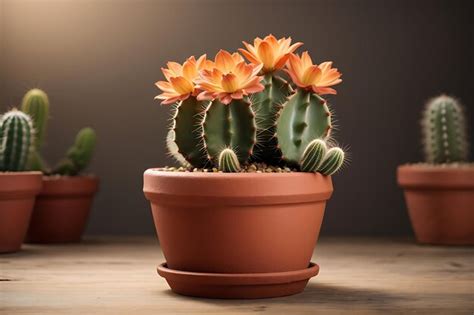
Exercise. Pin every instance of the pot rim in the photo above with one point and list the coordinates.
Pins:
(19, 185)
(54, 185)
(433, 176)
(235, 188)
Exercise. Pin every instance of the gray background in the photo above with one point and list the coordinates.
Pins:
(98, 61)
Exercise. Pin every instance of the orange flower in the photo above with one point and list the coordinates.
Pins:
(231, 78)
(180, 82)
(308, 76)
(270, 52)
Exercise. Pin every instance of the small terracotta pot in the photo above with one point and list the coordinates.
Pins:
(245, 223)
(440, 203)
(62, 209)
(17, 196)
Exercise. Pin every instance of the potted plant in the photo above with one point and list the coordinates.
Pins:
(64, 203)
(241, 216)
(440, 192)
(18, 188)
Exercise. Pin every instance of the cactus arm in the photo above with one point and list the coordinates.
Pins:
(230, 126)
(228, 161)
(313, 155)
(188, 135)
(444, 130)
(304, 118)
(79, 155)
(16, 140)
(332, 161)
(266, 106)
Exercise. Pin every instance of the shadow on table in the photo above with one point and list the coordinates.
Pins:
(315, 293)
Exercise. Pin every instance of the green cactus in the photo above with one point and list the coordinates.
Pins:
(229, 126)
(313, 155)
(188, 133)
(79, 155)
(228, 161)
(304, 118)
(16, 140)
(36, 104)
(266, 106)
(173, 149)
(332, 162)
(444, 131)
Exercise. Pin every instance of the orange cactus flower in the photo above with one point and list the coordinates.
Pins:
(318, 78)
(230, 78)
(270, 52)
(181, 79)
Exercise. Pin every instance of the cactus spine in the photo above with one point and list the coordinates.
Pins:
(16, 140)
(266, 106)
(229, 126)
(228, 161)
(332, 161)
(36, 104)
(444, 131)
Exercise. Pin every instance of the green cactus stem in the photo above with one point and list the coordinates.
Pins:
(332, 162)
(313, 155)
(188, 133)
(444, 131)
(16, 140)
(229, 126)
(304, 118)
(35, 103)
(228, 161)
(266, 105)
(79, 155)
(173, 149)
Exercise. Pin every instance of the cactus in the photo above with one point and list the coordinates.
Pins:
(228, 161)
(229, 126)
(173, 148)
(266, 106)
(304, 118)
(16, 140)
(79, 155)
(332, 162)
(444, 131)
(313, 155)
(36, 104)
(188, 134)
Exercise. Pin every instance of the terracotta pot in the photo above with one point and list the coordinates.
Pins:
(440, 203)
(62, 208)
(246, 223)
(17, 196)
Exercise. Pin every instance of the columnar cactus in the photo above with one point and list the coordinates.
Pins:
(16, 140)
(444, 131)
(36, 104)
(230, 113)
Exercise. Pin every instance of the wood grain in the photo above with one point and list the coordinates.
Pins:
(118, 276)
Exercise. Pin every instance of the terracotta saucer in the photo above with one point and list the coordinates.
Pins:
(238, 286)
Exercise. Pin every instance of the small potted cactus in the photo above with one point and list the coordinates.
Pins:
(240, 216)
(64, 203)
(18, 188)
(440, 192)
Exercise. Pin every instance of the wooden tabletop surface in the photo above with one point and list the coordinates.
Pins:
(118, 276)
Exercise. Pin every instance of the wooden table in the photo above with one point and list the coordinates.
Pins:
(117, 276)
